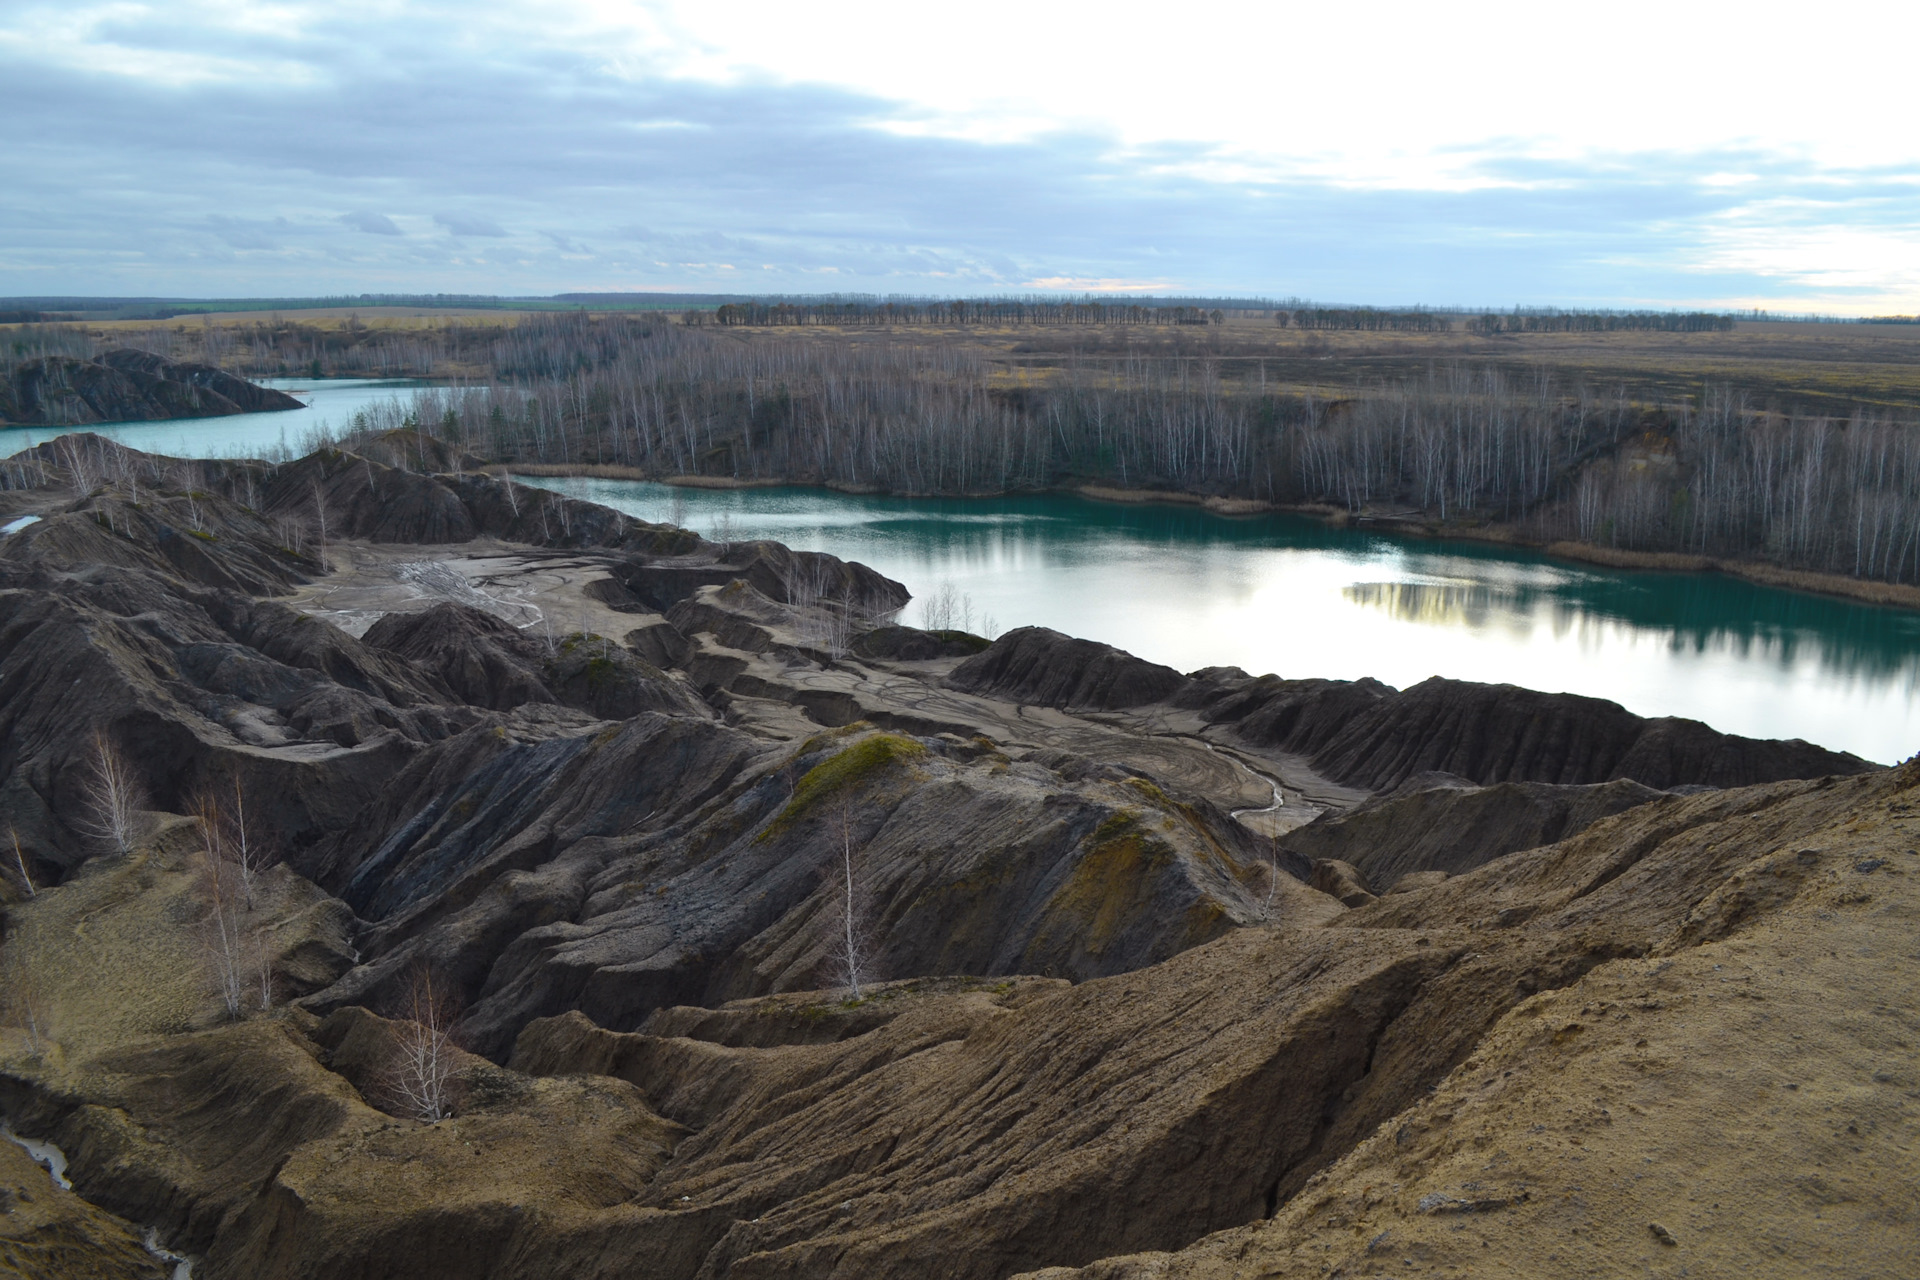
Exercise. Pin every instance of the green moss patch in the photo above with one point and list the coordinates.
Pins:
(843, 771)
(1113, 881)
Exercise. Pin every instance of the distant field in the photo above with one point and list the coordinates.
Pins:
(1829, 368)
(326, 318)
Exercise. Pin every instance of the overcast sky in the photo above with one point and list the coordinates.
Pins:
(1482, 154)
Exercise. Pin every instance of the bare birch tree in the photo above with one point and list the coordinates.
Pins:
(114, 796)
(320, 523)
(850, 945)
(244, 842)
(419, 1080)
(20, 863)
(224, 938)
(1271, 865)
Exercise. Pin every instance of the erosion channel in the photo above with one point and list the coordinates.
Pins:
(412, 873)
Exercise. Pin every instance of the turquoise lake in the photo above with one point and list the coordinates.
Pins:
(1279, 594)
(1296, 597)
(330, 406)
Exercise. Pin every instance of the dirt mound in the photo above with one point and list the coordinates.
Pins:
(1517, 1062)
(707, 881)
(1042, 667)
(910, 644)
(1728, 1101)
(1367, 734)
(1437, 822)
(490, 663)
(775, 572)
(127, 386)
(1471, 1056)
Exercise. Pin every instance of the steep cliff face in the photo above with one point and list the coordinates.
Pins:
(126, 386)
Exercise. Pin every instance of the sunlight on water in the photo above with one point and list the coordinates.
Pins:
(1292, 596)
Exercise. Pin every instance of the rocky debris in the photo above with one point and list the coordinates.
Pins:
(206, 1129)
(674, 862)
(484, 661)
(490, 663)
(1301, 716)
(1442, 823)
(635, 914)
(977, 1133)
(334, 494)
(1042, 667)
(193, 689)
(738, 615)
(134, 610)
(126, 386)
(246, 396)
(243, 1147)
(181, 533)
(1292, 1095)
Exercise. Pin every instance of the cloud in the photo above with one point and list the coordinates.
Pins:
(374, 224)
(1079, 284)
(241, 233)
(468, 225)
(586, 169)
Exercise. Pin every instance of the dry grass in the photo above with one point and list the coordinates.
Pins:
(1824, 367)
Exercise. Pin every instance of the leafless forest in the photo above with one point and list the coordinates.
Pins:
(1552, 453)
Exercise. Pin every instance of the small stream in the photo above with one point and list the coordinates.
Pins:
(54, 1161)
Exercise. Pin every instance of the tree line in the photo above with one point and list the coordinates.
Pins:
(1365, 319)
(1006, 312)
(1456, 443)
(1519, 321)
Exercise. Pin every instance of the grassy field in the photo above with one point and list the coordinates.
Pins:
(1819, 367)
(1826, 368)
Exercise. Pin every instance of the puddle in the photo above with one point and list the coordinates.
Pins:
(54, 1161)
(45, 1154)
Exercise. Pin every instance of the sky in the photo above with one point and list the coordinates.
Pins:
(1473, 154)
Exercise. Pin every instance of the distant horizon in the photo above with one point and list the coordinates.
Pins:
(1657, 158)
(584, 300)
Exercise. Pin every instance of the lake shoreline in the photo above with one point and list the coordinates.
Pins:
(1891, 595)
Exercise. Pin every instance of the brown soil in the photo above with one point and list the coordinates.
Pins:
(1739, 1101)
(1123, 1032)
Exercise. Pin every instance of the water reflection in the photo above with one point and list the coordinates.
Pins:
(1302, 598)
(1443, 604)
